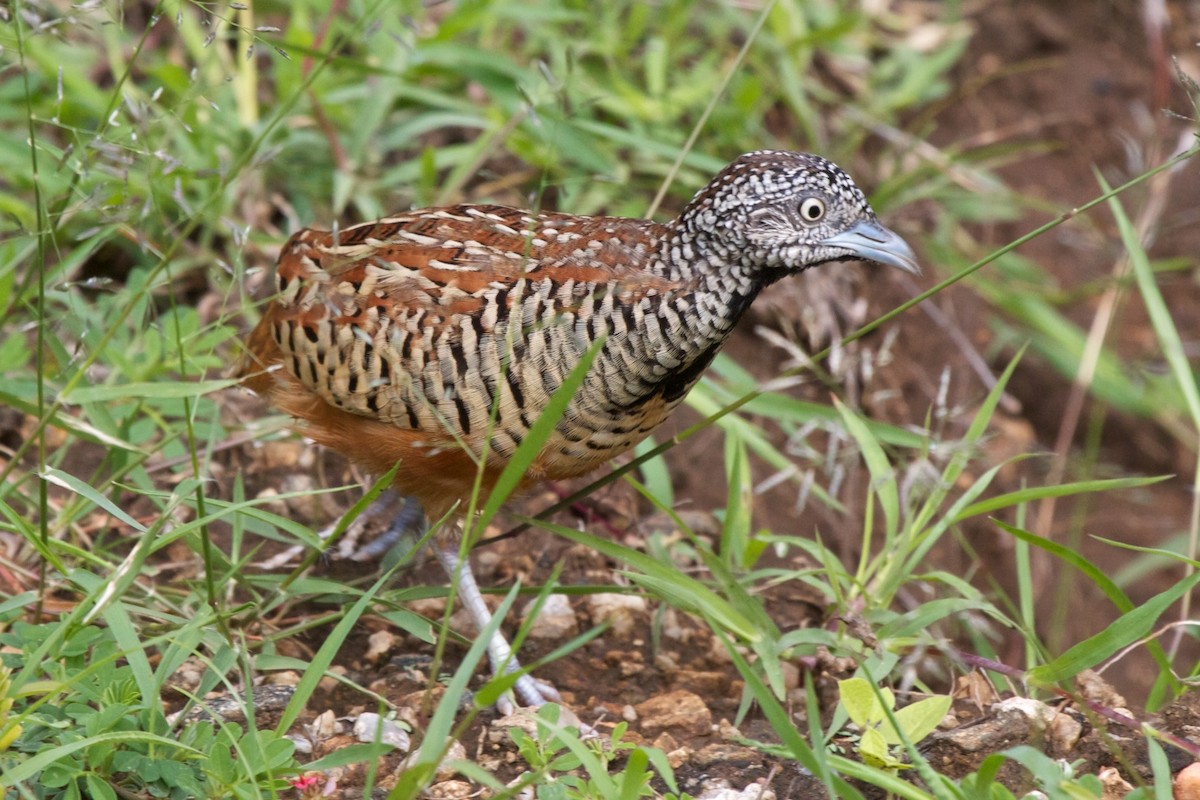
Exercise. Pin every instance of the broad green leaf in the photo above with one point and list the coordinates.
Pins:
(98, 788)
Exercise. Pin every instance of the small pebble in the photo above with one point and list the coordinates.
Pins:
(449, 790)
(1115, 787)
(680, 712)
(621, 611)
(367, 724)
(1187, 782)
(379, 644)
(555, 620)
(302, 743)
(721, 790)
(1063, 732)
(323, 727)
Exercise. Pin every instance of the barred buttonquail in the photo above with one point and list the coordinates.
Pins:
(393, 341)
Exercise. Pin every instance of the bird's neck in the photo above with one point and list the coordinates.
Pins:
(720, 281)
(682, 328)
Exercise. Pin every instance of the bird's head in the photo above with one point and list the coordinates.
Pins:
(775, 209)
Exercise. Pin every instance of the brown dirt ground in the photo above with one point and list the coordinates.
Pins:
(1076, 74)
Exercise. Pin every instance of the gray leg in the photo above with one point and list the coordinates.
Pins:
(406, 519)
(383, 524)
(531, 692)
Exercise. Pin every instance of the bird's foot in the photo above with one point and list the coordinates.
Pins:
(535, 693)
(389, 521)
(531, 691)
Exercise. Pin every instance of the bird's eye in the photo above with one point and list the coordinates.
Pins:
(812, 209)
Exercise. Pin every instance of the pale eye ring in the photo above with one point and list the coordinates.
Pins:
(812, 209)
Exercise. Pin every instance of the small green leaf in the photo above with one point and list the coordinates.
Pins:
(860, 702)
(858, 699)
(98, 788)
(874, 750)
(635, 777)
(917, 720)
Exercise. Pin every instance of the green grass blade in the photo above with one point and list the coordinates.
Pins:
(681, 590)
(779, 718)
(324, 656)
(1124, 631)
(137, 391)
(1155, 551)
(1172, 347)
(735, 526)
(68, 481)
(883, 476)
(1101, 580)
(1042, 492)
(1156, 308)
(1093, 573)
(437, 733)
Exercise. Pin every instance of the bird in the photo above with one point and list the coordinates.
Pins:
(434, 338)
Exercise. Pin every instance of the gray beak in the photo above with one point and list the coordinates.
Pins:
(870, 241)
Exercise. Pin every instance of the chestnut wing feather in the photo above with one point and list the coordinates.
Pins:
(405, 320)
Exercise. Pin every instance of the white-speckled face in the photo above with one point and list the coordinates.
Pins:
(780, 209)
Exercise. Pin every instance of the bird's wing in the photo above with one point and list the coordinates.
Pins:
(360, 304)
(443, 261)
